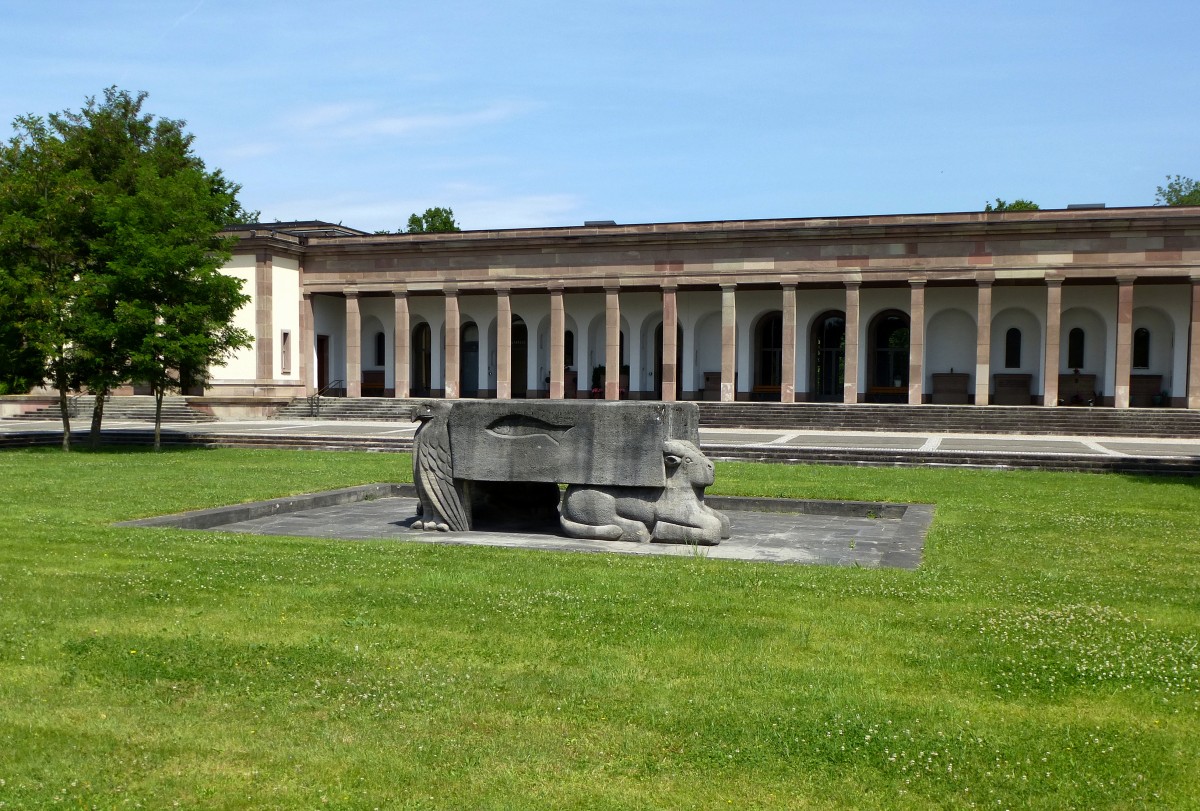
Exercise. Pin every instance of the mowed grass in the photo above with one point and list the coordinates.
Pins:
(1046, 654)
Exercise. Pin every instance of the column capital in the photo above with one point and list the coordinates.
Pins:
(1054, 282)
(400, 291)
(350, 292)
(669, 287)
(501, 291)
(916, 284)
(984, 283)
(728, 285)
(853, 285)
(612, 287)
(1124, 280)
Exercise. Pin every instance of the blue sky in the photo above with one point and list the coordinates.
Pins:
(551, 113)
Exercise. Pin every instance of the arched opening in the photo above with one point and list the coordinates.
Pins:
(1141, 348)
(470, 360)
(658, 362)
(828, 361)
(520, 358)
(768, 355)
(888, 358)
(1012, 348)
(422, 360)
(1075, 349)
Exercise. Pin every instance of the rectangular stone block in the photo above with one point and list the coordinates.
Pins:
(567, 441)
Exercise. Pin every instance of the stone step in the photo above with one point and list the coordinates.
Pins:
(139, 408)
(777, 455)
(1072, 421)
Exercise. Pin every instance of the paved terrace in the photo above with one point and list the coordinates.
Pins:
(1096, 454)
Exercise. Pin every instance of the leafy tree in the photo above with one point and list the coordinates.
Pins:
(1179, 191)
(44, 201)
(134, 271)
(434, 221)
(1015, 205)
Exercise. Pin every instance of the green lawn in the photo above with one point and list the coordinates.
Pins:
(1046, 655)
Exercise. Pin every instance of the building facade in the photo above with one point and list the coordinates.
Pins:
(1057, 307)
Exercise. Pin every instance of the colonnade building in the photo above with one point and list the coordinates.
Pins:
(1055, 307)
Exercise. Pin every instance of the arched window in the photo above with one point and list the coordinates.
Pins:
(1075, 349)
(380, 349)
(1012, 349)
(769, 349)
(828, 363)
(1141, 348)
(889, 344)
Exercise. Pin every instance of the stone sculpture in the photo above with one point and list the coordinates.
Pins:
(634, 471)
(675, 513)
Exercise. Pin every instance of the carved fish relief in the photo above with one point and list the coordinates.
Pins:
(520, 425)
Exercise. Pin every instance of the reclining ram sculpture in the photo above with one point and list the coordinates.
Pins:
(634, 471)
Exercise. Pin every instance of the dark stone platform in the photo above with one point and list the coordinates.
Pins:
(832, 533)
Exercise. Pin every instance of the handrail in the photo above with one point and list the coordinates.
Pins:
(314, 400)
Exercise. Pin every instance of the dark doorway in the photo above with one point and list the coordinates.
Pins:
(888, 375)
(768, 356)
(422, 360)
(658, 362)
(322, 362)
(470, 360)
(828, 359)
(520, 358)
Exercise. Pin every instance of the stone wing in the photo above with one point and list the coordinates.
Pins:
(436, 473)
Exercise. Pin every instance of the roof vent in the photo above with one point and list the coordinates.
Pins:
(1084, 205)
(599, 222)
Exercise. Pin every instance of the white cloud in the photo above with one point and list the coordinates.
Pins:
(323, 116)
(409, 124)
(250, 149)
(360, 120)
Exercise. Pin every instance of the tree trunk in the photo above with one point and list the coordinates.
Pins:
(64, 406)
(97, 420)
(158, 400)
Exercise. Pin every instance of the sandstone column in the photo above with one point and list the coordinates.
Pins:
(670, 344)
(1124, 341)
(1053, 332)
(451, 363)
(787, 383)
(264, 321)
(401, 366)
(612, 344)
(850, 382)
(983, 342)
(728, 343)
(916, 342)
(1193, 385)
(308, 371)
(503, 345)
(558, 341)
(353, 346)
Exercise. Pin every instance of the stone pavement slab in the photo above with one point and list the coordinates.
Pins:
(878, 441)
(1006, 445)
(1153, 448)
(825, 533)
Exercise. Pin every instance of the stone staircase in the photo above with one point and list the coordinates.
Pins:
(136, 408)
(1065, 421)
(384, 409)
